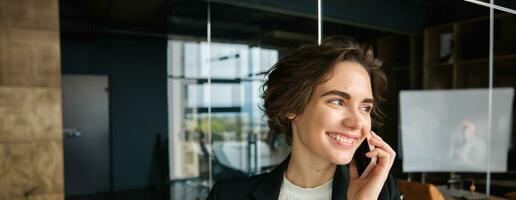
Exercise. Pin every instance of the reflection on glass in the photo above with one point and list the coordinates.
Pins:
(241, 144)
(227, 60)
(224, 95)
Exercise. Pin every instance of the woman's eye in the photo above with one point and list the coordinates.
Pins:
(367, 109)
(336, 102)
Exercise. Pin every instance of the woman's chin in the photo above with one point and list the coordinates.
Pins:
(342, 159)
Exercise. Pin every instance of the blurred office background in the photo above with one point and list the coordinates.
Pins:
(158, 99)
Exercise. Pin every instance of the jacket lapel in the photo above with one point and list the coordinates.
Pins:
(340, 183)
(270, 187)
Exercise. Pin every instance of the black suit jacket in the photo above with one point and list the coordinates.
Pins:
(267, 186)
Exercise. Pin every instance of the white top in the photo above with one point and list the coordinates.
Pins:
(290, 191)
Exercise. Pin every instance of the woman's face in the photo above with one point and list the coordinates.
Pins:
(337, 117)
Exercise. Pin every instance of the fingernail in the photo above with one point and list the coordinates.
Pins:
(377, 136)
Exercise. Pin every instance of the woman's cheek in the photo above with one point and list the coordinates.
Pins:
(367, 124)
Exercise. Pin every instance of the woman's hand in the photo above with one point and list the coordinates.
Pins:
(371, 186)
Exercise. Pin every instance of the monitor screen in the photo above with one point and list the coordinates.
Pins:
(447, 130)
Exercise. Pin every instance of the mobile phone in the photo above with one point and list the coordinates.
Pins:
(364, 164)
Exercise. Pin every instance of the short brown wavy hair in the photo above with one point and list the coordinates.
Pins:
(292, 80)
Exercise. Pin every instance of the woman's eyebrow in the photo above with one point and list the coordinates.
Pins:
(345, 95)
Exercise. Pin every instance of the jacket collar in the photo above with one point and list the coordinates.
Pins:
(270, 187)
(340, 183)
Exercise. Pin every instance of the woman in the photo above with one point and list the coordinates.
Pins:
(324, 98)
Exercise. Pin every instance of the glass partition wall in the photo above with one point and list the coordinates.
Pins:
(503, 76)
(442, 122)
(448, 110)
(458, 131)
(217, 128)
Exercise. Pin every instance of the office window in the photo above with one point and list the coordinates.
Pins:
(228, 98)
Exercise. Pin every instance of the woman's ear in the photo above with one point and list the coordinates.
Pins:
(291, 116)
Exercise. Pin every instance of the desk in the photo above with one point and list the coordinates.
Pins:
(453, 194)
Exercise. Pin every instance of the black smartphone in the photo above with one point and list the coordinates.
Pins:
(363, 163)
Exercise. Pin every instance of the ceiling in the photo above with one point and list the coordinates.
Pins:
(258, 21)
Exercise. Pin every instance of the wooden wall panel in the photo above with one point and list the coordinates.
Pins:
(30, 14)
(29, 58)
(16, 175)
(31, 168)
(30, 114)
(56, 196)
(48, 168)
(31, 148)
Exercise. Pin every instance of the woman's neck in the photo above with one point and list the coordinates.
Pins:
(308, 170)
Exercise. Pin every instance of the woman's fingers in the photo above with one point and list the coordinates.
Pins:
(375, 135)
(379, 153)
(378, 142)
(353, 172)
(371, 186)
(382, 151)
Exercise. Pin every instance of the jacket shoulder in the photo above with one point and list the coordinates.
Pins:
(240, 188)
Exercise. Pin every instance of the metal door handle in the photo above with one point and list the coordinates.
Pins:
(71, 132)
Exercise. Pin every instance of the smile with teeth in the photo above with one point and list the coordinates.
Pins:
(341, 138)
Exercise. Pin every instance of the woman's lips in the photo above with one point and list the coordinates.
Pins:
(346, 141)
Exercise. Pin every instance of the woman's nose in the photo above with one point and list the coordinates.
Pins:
(352, 120)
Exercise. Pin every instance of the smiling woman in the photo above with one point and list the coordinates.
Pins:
(293, 79)
(324, 98)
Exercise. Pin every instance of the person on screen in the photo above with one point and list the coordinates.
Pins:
(324, 98)
(466, 146)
